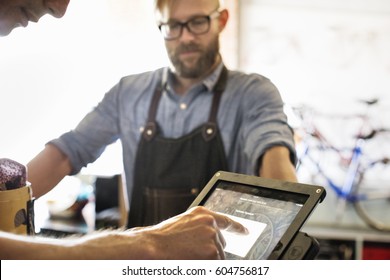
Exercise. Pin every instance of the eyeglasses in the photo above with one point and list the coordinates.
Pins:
(197, 25)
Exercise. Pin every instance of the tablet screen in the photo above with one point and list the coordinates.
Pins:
(266, 213)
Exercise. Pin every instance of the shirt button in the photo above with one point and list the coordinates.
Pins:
(183, 106)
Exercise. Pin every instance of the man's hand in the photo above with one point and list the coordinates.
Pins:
(195, 234)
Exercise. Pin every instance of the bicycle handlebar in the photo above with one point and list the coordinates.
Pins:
(372, 133)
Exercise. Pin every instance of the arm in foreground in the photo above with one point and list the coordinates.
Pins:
(195, 234)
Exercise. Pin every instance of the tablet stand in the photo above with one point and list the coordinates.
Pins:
(302, 247)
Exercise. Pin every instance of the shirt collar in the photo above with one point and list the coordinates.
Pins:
(209, 82)
(212, 79)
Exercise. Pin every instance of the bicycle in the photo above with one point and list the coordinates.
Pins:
(371, 202)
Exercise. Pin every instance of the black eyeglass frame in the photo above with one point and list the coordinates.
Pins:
(187, 23)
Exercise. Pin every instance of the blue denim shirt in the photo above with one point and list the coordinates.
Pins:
(250, 117)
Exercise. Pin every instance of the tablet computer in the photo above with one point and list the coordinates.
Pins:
(273, 211)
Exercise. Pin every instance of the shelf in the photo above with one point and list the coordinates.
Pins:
(338, 242)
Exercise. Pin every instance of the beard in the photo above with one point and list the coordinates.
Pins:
(201, 66)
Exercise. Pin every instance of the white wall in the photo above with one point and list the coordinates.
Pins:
(327, 54)
(322, 52)
(53, 72)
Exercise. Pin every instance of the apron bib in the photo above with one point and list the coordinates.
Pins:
(169, 173)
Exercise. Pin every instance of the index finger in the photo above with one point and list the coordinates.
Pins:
(226, 223)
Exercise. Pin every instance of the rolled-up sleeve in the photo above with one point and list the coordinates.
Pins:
(99, 128)
(265, 123)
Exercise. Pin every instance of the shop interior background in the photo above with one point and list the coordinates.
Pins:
(326, 54)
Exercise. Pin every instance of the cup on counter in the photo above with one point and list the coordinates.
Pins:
(17, 211)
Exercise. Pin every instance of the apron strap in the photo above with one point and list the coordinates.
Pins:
(210, 128)
(218, 90)
(150, 129)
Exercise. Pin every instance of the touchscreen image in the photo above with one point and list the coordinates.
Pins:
(265, 214)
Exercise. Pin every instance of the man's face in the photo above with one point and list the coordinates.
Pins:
(16, 13)
(192, 56)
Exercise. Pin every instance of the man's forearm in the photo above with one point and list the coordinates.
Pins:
(276, 164)
(47, 169)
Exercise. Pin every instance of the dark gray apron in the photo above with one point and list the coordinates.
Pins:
(169, 173)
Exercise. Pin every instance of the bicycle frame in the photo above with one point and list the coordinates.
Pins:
(346, 190)
(357, 162)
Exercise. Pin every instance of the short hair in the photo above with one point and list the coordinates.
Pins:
(159, 4)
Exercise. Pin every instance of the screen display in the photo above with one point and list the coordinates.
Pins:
(266, 214)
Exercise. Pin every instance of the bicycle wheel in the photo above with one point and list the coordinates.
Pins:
(372, 204)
